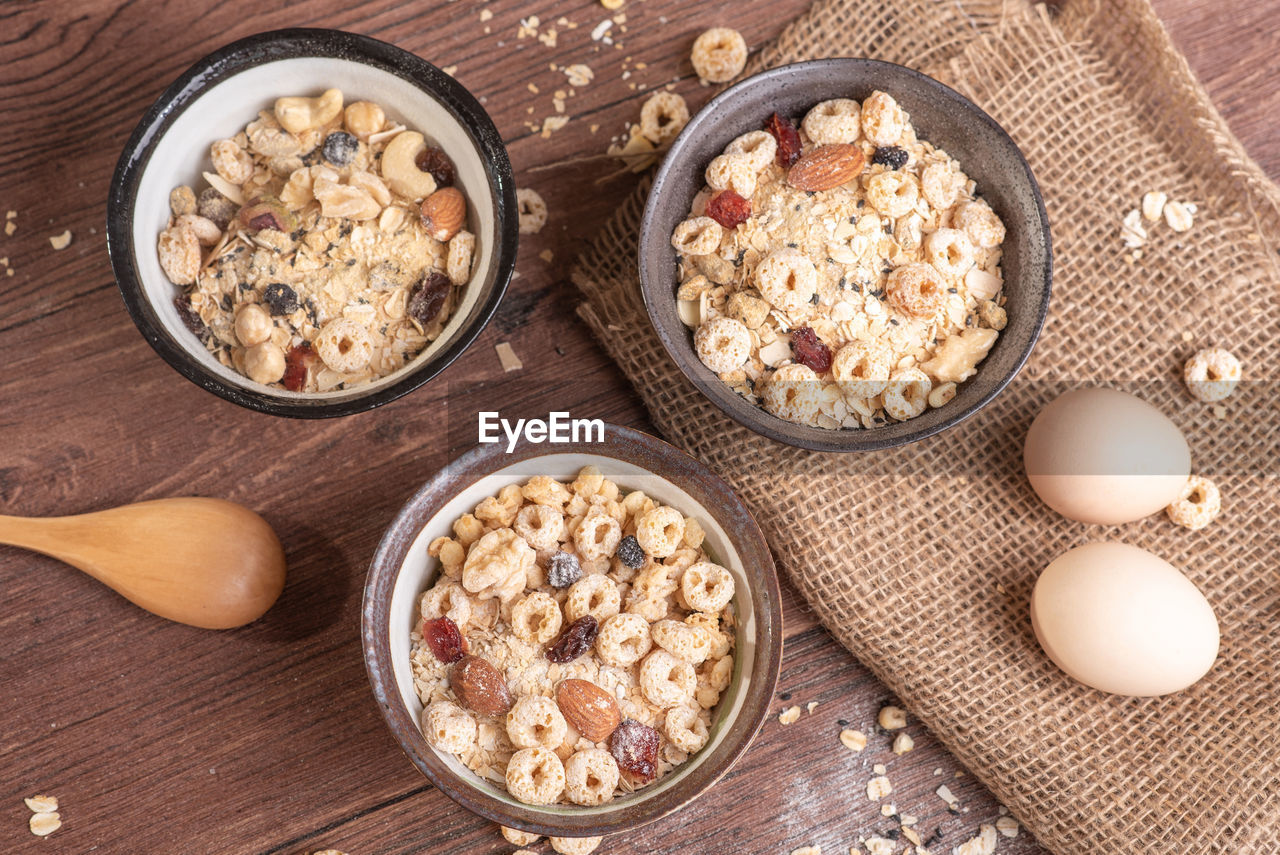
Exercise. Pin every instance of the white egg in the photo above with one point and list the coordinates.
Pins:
(1117, 618)
(1103, 456)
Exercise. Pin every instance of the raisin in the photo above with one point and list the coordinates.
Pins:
(427, 298)
(635, 747)
(575, 640)
(809, 350)
(340, 147)
(630, 552)
(445, 639)
(891, 156)
(281, 299)
(784, 131)
(190, 319)
(729, 209)
(563, 570)
(297, 362)
(433, 159)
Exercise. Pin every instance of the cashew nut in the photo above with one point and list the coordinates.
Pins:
(297, 114)
(400, 170)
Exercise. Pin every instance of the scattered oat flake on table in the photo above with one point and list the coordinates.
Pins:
(903, 743)
(450, 70)
(879, 846)
(553, 123)
(61, 241)
(42, 804)
(507, 356)
(1008, 826)
(485, 15)
(944, 793)
(810, 707)
(330, 852)
(44, 823)
(854, 740)
(789, 715)
(878, 787)
(579, 74)
(879, 769)
(807, 850)
(892, 718)
(984, 843)
(600, 29)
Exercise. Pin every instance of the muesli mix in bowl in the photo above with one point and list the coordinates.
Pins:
(574, 642)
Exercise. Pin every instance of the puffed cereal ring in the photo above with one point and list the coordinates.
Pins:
(788, 279)
(516, 837)
(532, 211)
(598, 535)
(594, 595)
(344, 345)
(722, 344)
(591, 775)
(907, 394)
(916, 290)
(666, 680)
(536, 722)
(663, 117)
(535, 776)
(650, 592)
(893, 193)
(541, 527)
(448, 727)
(721, 643)
(623, 640)
(713, 679)
(734, 172)
(536, 619)
(793, 393)
(575, 845)
(690, 643)
(697, 236)
(939, 186)
(446, 599)
(719, 55)
(590, 481)
(1211, 375)
(980, 223)
(861, 368)
(1198, 505)
(660, 531)
(832, 122)
(758, 147)
(707, 587)
(883, 121)
(949, 251)
(544, 490)
(686, 729)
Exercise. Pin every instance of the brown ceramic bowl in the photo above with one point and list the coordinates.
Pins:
(942, 116)
(401, 571)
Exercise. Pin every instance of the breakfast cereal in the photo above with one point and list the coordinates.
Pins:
(841, 272)
(328, 251)
(577, 641)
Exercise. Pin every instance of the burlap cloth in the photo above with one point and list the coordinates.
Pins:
(921, 561)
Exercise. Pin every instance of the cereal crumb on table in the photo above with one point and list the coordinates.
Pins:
(1008, 826)
(983, 843)
(518, 837)
(903, 743)
(42, 804)
(532, 211)
(879, 769)
(807, 850)
(854, 740)
(61, 241)
(810, 707)
(944, 793)
(879, 846)
(878, 787)
(892, 718)
(507, 356)
(575, 845)
(789, 715)
(44, 823)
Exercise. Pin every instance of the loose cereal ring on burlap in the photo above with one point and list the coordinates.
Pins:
(1198, 504)
(535, 776)
(591, 775)
(536, 619)
(667, 680)
(594, 595)
(722, 344)
(623, 640)
(536, 722)
(1211, 375)
(832, 122)
(448, 727)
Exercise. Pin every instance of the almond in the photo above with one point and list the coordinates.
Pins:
(480, 687)
(827, 166)
(443, 213)
(589, 708)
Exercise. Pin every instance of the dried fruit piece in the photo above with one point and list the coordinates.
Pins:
(433, 159)
(281, 299)
(339, 148)
(563, 570)
(635, 748)
(788, 137)
(443, 213)
(216, 207)
(729, 209)
(630, 552)
(427, 297)
(444, 638)
(267, 212)
(297, 364)
(575, 640)
(189, 317)
(827, 166)
(809, 350)
(891, 156)
(589, 708)
(480, 687)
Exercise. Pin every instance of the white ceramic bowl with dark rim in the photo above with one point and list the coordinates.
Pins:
(215, 99)
(401, 571)
(940, 115)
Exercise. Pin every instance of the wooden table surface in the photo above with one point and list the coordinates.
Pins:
(160, 738)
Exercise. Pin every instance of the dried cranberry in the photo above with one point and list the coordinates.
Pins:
(563, 570)
(635, 747)
(281, 299)
(809, 350)
(427, 298)
(784, 131)
(630, 552)
(891, 156)
(189, 317)
(297, 362)
(445, 639)
(433, 159)
(729, 209)
(575, 640)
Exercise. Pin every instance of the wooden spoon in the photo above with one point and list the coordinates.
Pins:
(204, 562)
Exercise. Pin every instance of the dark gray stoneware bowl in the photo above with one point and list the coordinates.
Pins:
(940, 115)
(401, 571)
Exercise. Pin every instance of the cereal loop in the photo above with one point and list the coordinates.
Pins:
(594, 595)
(344, 345)
(536, 619)
(907, 394)
(758, 147)
(623, 640)
(1198, 505)
(707, 587)
(541, 527)
(949, 251)
(788, 279)
(938, 185)
(794, 393)
(690, 643)
(980, 223)
(516, 837)
(1211, 375)
(719, 55)
(462, 248)
(722, 344)
(575, 845)
(861, 369)
(697, 236)
(536, 722)
(663, 117)
(446, 599)
(734, 172)
(666, 680)
(590, 777)
(535, 776)
(892, 193)
(597, 536)
(650, 592)
(448, 727)
(883, 121)
(660, 531)
(916, 290)
(686, 729)
(832, 122)
(532, 211)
